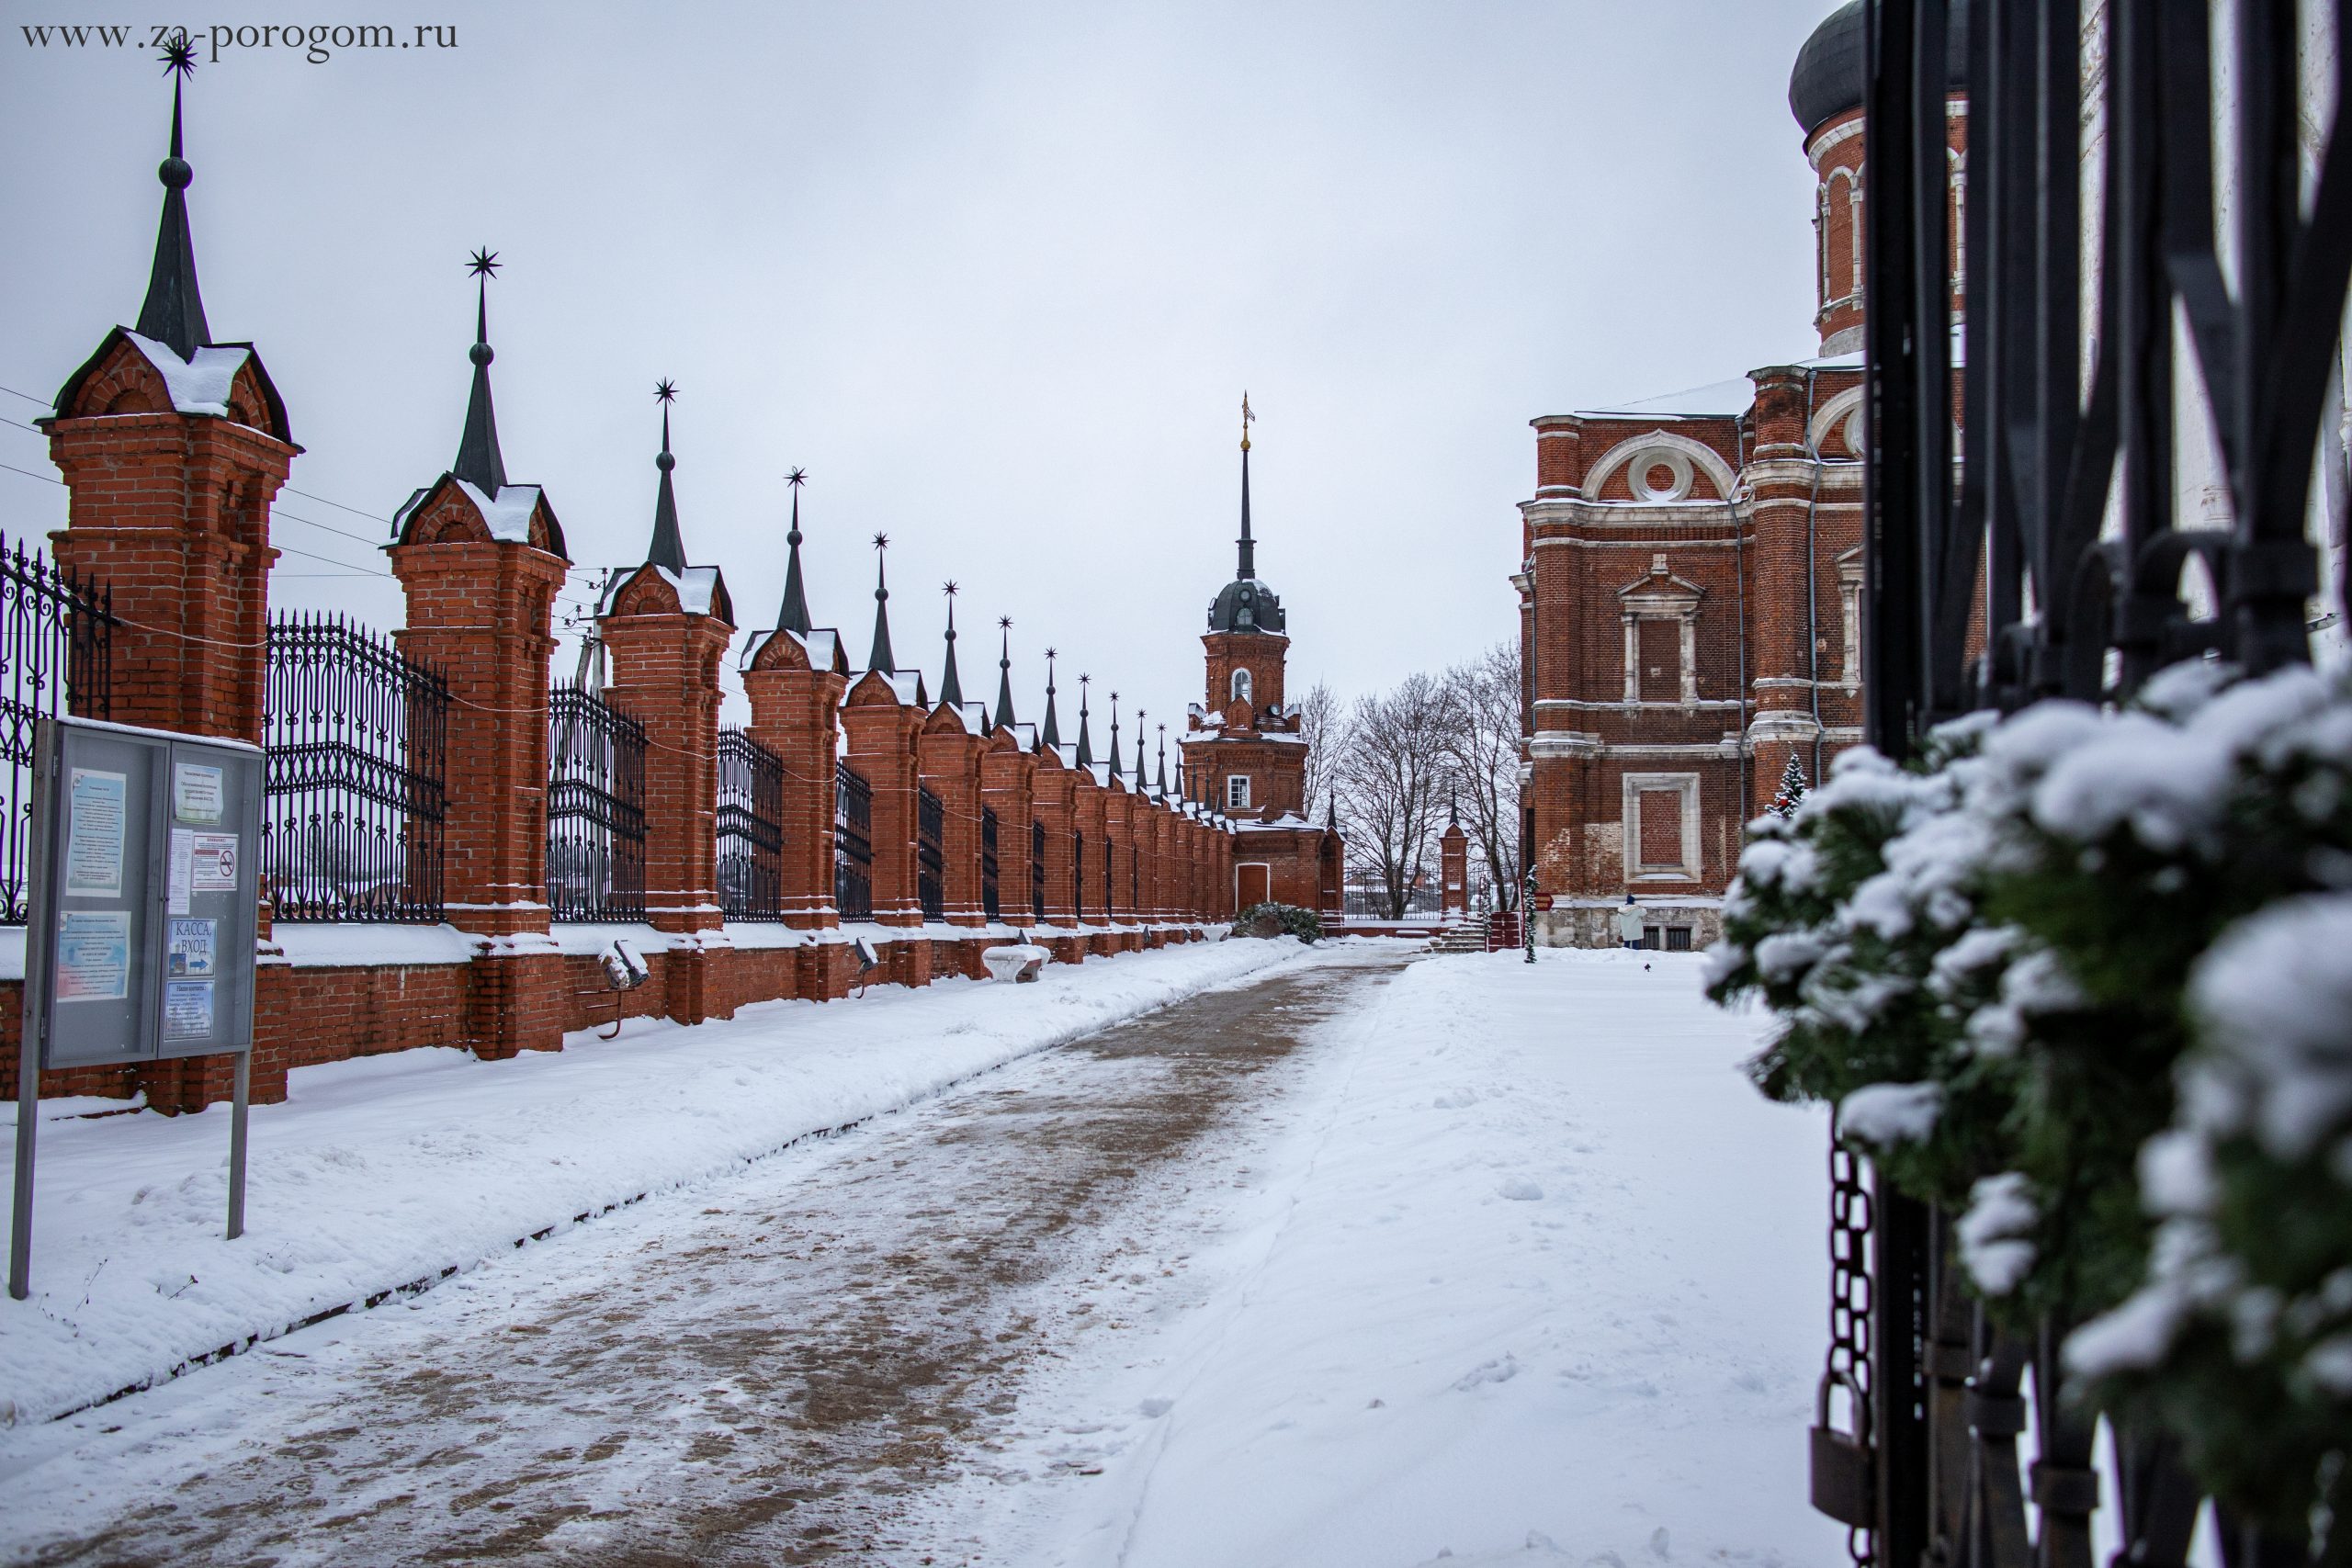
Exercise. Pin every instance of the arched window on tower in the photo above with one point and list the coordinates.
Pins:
(1241, 688)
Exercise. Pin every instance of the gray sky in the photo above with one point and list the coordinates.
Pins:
(995, 275)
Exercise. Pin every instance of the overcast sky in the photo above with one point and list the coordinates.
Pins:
(995, 275)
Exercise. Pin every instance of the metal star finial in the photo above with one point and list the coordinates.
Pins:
(1004, 622)
(1082, 680)
(1053, 652)
(665, 391)
(179, 55)
(798, 477)
(948, 588)
(483, 263)
(1114, 697)
(881, 541)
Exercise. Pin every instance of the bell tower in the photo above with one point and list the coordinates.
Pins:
(1243, 753)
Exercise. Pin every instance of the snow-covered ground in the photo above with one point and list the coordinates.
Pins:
(1379, 1265)
(390, 1171)
(1525, 1273)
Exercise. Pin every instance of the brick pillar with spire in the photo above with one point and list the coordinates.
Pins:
(480, 562)
(173, 447)
(948, 759)
(882, 715)
(1008, 787)
(794, 677)
(1454, 867)
(666, 625)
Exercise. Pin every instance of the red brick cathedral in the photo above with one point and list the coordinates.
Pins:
(1690, 581)
(1245, 751)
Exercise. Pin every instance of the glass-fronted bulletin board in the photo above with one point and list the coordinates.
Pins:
(142, 911)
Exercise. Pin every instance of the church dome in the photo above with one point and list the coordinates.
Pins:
(1246, 605)
(1828, 81)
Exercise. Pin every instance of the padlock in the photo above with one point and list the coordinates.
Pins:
(1843, 1471)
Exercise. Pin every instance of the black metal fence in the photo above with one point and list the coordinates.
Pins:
(357, 733)
(991, 900)
(751, 828)
(595, 809)
(1036, 870)
(2068, 503)
(1365, 897)
(852, 844)
(931, 857)
(56, 656)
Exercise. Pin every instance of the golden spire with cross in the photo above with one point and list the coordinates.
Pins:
(1248, 419)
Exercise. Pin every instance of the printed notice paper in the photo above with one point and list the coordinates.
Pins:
(190, 953)
(196, 792)
(92, 953)
(94, 803)
(216, 862)
(187, 1010)
(182, 870)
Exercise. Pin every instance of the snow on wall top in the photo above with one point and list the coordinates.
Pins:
(197, 385)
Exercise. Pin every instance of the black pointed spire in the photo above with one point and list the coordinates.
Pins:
(478, 462)
(793, 616)
(1085, 743)
(1003, 719)
(1140, 717)
(1052, 734)
(1180, 777)
(1115, 736)
(1162, 780)
(951, 685)
(880, 657)
(1248, 567)
(173, 314)
(667, 550)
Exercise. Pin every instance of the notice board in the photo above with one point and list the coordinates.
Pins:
(145, 894)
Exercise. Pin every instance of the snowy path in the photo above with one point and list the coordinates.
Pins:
(1532, 1277)
(766, 1367)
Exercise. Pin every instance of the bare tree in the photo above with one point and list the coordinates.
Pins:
(1482, 757)
(1391, 783)
(1323, 726)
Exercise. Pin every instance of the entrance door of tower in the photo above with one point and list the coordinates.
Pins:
(1252, 884)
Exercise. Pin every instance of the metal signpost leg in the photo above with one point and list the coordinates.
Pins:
(20, 1224)
(237, 1144)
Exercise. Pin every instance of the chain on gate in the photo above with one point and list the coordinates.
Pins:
(1842, 1459)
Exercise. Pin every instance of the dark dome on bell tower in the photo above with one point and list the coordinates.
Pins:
(1828, 78)
(1245, 603)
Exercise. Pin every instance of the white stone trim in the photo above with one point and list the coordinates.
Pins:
(1826, 417)
(1685, 787)
(1705, 458)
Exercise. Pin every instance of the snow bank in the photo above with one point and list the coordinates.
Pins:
(389, 1171)
(1531, 1274)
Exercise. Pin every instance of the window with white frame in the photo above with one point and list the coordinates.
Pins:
(1237, 791)
(1241, 686)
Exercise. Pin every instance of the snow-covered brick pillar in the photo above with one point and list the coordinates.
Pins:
(882, 717)
(1453, 869)
(947, 753)
(171, 467)
(796, 685)
(666, 632)
(1008, 787)
(1053, 798)
(481, 574)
